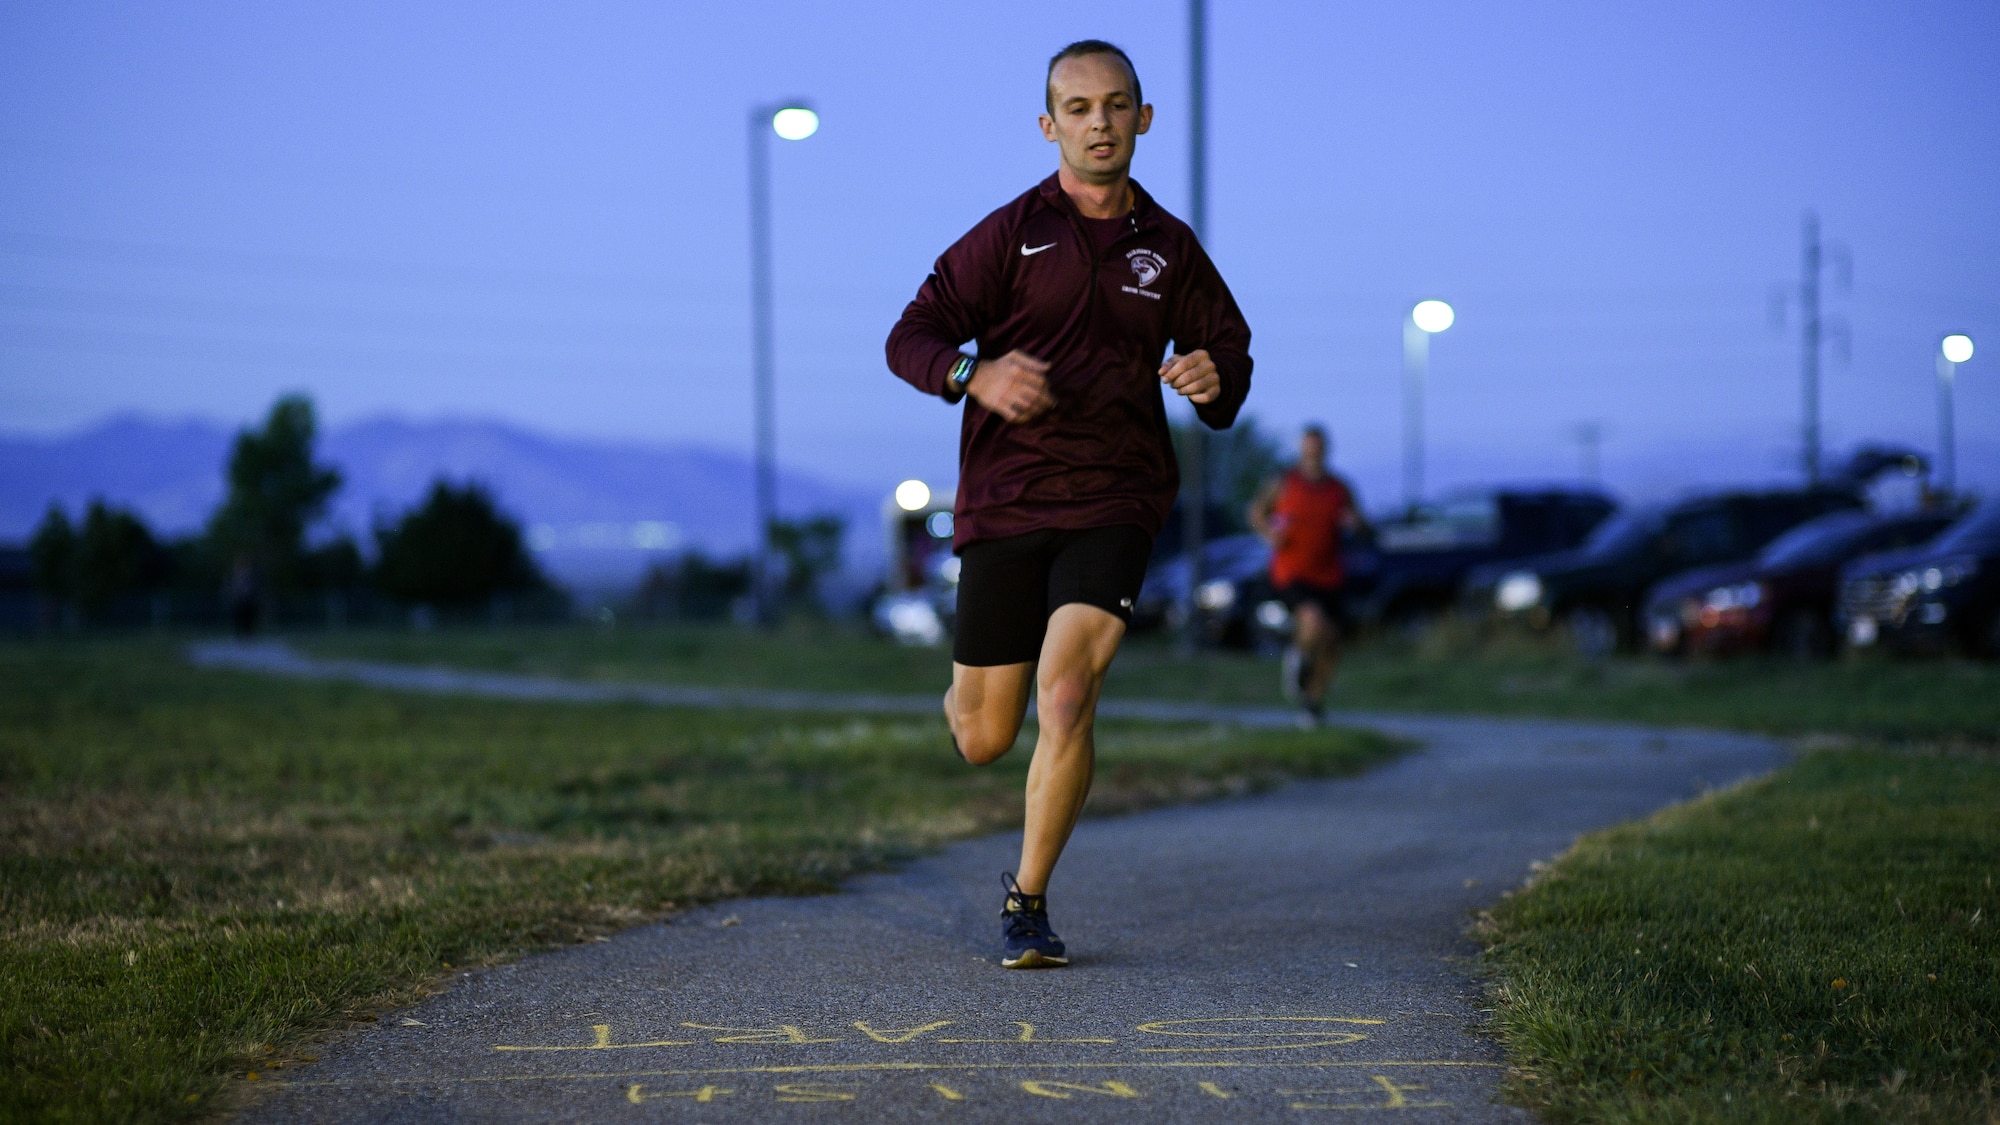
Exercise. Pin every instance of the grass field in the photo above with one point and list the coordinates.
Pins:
(1446, 669)
(1818, 946)
(200, 872)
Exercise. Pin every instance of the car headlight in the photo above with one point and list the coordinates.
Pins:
(1742, 595)
(1215, 595)
(1664, 631)
(910, 619)
(1518, 591)
(1951, 572)
(1273, 615)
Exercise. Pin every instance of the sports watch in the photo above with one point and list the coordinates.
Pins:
(959, 377)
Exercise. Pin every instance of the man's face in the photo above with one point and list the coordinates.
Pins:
(1312, 450)
(1096, 120)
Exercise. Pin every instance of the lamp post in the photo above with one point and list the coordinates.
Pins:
(1194, 474)
(1427, 319)
(1952, 351)
(791, 121)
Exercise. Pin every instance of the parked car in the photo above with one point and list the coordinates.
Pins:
(1943, 594)
(1597, 588)
(1235, 578)
(1783, 599)
(1405, 567)
(1416, 565)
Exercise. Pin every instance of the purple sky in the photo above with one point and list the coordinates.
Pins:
(537, 212)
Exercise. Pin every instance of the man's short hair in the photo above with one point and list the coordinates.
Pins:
(1313, 429)
(1079, 49)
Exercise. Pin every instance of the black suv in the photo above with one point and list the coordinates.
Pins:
(1597, 588)
(1783, 599)
(1417, 564)
(1943, 594)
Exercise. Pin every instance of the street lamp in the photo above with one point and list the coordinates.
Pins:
(792, 121)
(1952, 351)
(1425, 320)
(1194, 470)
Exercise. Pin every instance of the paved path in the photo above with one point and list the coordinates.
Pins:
(1294, 955)
(278, 659)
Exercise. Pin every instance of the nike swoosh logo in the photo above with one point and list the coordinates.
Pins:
(1030, 251)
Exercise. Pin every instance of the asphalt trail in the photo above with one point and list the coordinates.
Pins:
(275, 658)
(1298, 954)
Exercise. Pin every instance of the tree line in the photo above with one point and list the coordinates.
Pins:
(454, 551)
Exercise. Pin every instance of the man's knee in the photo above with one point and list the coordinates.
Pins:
(982, 737)
(1065, 703)
(981, 745)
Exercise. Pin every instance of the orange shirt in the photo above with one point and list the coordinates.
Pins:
(1307, 520)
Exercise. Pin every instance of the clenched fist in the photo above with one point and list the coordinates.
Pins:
(1193, 376)
(1015, 386)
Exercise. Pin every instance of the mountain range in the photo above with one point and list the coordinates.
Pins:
(595, 512)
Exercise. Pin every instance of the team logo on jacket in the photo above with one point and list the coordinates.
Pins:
(1146, 265)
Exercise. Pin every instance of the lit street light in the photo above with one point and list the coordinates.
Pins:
(791, 121)
(1425, 320)
(1952, 351)
(913, 495)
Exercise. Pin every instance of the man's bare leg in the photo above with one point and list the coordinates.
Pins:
(1318, 641)
(985, 708)
(1081, 642)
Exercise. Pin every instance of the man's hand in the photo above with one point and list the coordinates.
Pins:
(1193, 376)
(1015, 386)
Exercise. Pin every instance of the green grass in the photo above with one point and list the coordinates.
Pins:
(201, 872)
(1448, 669)
(1818, 946)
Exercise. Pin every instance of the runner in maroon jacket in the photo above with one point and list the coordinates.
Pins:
(1072, 293)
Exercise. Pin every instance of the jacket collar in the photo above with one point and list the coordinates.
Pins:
(1145, 213)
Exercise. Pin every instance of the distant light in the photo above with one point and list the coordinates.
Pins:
(1216, 595)
(795, 123)
(913, 495)
(939, 525)
(1273, 615)
(1433, 316)
(1518, 591)
(1958, 349)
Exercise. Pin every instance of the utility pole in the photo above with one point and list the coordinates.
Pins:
(1590, 435)
(1809, 340)
(1194, 483)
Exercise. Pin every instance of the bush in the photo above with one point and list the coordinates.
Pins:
(693, 587)
(454, 551)
(109, 560)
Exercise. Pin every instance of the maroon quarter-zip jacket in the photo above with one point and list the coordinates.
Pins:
(1028, 278)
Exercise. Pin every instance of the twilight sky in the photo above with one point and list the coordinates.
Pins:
(537, 213)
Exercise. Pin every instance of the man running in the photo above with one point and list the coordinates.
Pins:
(1066, 470)
(1302, 514)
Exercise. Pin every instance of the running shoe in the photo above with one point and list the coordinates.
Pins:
(1312, 716)
(1028, 941)
(1292, 675)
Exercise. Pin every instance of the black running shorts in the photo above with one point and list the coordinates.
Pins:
(1328, 598)
(1008, 587)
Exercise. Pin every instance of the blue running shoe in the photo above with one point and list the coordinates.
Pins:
(1024, 928)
